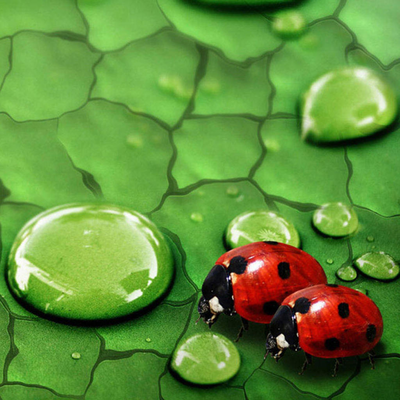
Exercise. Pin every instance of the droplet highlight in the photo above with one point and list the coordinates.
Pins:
(197, 217)
(258, 226)
(345, 104)
(378, 265)
(76, 356)
(206, 359)
(89, 262)
(335, 219)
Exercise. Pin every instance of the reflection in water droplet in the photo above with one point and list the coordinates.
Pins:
(370, 239)
(378, 265)
(347, 103)
(148, 340)
(206, 359)
(197, 217)
(89, 262)
(76, 355)
(329, 261)
(289, 24)
(256, 226)
(347, 273)
(335, 219)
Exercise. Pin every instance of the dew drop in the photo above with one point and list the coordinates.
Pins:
(289, 24)
(345, 104)
(335, 219)
(89, 262)
(206, 359)
(329, 261)
(75, 355)
(257, 226)
(370, 239)
(197, 217)
(148, 340)
(378, 265)
(347, 273)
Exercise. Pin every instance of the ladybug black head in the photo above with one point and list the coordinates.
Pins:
(283, 333)
(217, 295)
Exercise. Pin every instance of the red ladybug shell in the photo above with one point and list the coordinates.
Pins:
(272, 272)
(336, 321)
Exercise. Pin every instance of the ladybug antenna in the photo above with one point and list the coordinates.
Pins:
(197, 320)
(266, 355)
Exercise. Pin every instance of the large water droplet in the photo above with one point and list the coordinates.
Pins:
(335, 219)
(346, 104)
(378, 265)
(89, 262)
(206, 359)
(257, 226)
(289, 24)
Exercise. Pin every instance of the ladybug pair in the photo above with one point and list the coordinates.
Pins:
(281, 285)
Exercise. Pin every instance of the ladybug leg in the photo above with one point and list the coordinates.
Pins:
(338, 361)
(307, 361)
(244, 327)
(371, 355)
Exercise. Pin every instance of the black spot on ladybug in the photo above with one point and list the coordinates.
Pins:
(271, 242)
(332, 344)
(270, 307)
(371, 333)
(237, 265)
(284, 270)
(343, 309)
(302, 305)
(332, 285)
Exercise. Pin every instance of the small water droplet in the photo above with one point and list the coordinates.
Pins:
(329, 261)
(75, 355)
(289, 24)
(174, 85)
(347, 273)
(210, 86)
(197, 217)
(272, 145)
(134, 141)
(148, 340)
(335, 219)
(370, 239)
(232, 191)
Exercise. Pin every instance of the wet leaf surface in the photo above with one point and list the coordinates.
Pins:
(188, 112)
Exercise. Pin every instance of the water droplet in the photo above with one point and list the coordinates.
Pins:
(210, 86)
(272, 145)
(232, 191)
(335, 219)
(174, 85)
(134, 141)
(197, 217)
(362, 290)
(378, 265)
(148, 340)
(76, 356)
(329, 261)
(370, 239)
(346, 104)
(89, 262)
(289, 24)
(206, 359)
(347, 273)
(256, 226)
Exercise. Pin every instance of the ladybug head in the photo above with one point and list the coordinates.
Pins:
(283, 333)
(217, 295)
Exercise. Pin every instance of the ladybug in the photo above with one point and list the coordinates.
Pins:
(253, 280)
(327, 321)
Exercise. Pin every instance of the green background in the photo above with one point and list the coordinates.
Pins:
(88, 112)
